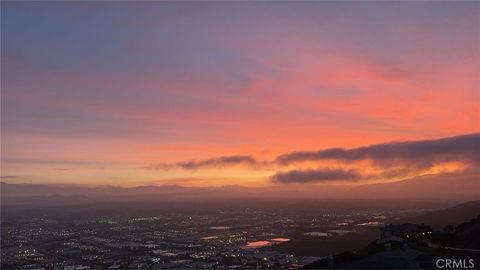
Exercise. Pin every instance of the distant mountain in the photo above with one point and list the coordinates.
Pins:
(450, 216)
(24, 190)
(429, 191)
(298, 197)
(445, 189)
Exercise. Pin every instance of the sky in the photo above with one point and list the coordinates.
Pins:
(132, 93)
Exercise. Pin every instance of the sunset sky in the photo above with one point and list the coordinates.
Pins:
(238, 93)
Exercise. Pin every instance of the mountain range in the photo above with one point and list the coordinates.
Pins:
(429, 190)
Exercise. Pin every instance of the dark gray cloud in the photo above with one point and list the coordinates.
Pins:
(335, 175)
(394, 159)
(222, 161)
(310, 176)
(9, 177)
(51, 162)
(420, 154)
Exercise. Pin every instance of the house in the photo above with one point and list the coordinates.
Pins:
(405, 231)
